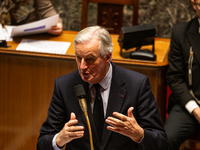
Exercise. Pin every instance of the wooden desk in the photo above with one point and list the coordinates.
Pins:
(27, 81)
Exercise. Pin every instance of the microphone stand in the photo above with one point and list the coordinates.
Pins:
(83, 105)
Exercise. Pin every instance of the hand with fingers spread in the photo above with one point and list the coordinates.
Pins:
(69, 131)
(126, 125)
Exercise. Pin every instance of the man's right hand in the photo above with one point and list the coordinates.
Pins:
(69, 132)
(196, 113)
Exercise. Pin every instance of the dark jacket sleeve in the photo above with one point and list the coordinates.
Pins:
(149, 119)
(54, 122)
(178, 59)
(43, 9)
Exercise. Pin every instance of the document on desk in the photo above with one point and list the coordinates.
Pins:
(36, 27)
(43, 46)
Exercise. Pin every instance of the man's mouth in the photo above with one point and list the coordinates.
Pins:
(85, 74)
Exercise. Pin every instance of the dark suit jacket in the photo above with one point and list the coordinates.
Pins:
(184, 36)
(128, 88)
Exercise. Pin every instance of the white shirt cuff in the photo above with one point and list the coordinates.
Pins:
(191, 105)
(55, 147)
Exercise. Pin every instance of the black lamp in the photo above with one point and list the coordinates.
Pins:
(137, 36)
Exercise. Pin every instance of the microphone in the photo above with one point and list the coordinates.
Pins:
(80, 94)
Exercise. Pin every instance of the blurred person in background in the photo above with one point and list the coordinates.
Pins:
(18, 12)
(183, 79)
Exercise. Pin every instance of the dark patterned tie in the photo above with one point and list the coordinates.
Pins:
(98, 111)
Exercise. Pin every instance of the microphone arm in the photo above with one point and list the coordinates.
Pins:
(80, 93)
(83, 105)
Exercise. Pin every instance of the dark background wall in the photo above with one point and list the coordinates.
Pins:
(162, 13)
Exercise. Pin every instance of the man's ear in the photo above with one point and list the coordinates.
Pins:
(108, 57)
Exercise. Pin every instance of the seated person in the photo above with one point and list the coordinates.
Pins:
(183, 79)
(18, 12)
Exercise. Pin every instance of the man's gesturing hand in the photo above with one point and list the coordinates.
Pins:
(126, 125)
(69, 131)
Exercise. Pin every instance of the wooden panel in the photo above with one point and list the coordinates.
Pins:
(25, 93)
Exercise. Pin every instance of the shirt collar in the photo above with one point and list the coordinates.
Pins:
(105, 82)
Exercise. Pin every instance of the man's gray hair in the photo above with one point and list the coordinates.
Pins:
(87, 34)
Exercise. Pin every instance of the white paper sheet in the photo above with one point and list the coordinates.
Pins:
(43, 46)
(2, 37)
(40, 26)
(4, 34)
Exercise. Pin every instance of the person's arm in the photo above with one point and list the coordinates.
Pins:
(55, 146)
(191, 105)
(147, 129)
(177, 70)
(194, 109)
(69, 132)
(45, 10)
(196, 113)
(58, 123)
(56, 30)
(127, 125)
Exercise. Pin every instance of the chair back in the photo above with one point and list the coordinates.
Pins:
(110, 13)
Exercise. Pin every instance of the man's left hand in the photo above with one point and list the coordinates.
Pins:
(126, 125)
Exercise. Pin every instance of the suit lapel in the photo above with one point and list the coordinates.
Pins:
(116, 99)
(194, 37)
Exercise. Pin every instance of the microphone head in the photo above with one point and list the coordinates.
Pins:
(79, 91)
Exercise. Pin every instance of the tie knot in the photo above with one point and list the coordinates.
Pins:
(97, 86)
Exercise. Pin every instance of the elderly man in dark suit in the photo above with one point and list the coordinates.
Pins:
(131, 119)
(184, 81)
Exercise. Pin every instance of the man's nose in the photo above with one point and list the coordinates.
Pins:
(83, 64)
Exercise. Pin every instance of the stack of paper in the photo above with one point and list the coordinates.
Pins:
(40, 26)
(43, 46)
